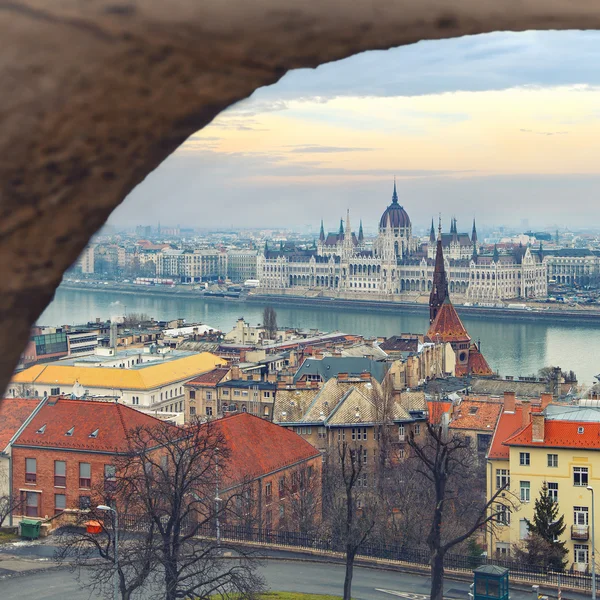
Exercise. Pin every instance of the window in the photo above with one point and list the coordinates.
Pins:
(60, 503)
(401, 432)
(503, 514)
(269, 519)
(236, 392)
(209, 395)
(580, 515)
(268, 492)
(525, 491)
(580, 476)
(85, 475)
(192, 394)
(341, 435)
(502, 478)
(110, 478)
(85, 502)
(581, 553)
(60, 473)
(364, 453)
(281, 485)
(266, 394)
(193, 411)
(362, 480)
(32, 500)
(225, 392)
(30, 470)
(54, 391)
(553, 491)
(523, 529)
(402, 453)
(524, 459)
(417, 429)
(281, 514)
(553, 460)
(321, 433)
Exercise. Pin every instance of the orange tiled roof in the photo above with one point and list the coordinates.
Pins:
(258, 447)
(560, 434)
(111, 420)
(13, 413)
(447, 325)
(477, 414)
(477, 363)
(508, 425)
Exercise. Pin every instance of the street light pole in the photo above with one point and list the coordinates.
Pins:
(591, 489)
(104, 507)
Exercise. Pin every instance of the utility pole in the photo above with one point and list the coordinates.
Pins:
(217, 499)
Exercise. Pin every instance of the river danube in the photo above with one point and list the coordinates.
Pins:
(511, 347)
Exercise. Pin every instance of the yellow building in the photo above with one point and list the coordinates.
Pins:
(155, 382)
(556, 444)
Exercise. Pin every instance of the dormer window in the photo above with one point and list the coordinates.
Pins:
(70, 432)
(580, 430)
(42, 429)
(94, 433)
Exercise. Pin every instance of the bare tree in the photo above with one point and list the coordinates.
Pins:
(9, 504)
(446, 465)
(350, 505)
(166, 492)
(303, 492)
(270, 322)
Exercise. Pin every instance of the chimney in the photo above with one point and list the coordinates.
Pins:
(546, 398)
(366, 376)
(314, 384)
(537, 430)
(242, 355)
(526, 413)
(510, 400)
(300, 383)
(342, 376)
(235, 372)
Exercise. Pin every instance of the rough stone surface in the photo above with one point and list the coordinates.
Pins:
(97, 93)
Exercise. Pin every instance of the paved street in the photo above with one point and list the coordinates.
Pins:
(280, 575)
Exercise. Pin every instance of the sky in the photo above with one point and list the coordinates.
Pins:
(500, 127)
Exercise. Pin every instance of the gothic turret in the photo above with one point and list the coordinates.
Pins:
(496, 256)
(322, 233)
(361, 236)
(475, 256)
(341, 231)
(454, 231)
(474, 233)
(439, 289)
(432, 233)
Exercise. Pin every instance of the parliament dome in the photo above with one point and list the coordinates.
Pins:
(394, 215)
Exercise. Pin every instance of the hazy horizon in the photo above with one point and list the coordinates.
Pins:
(501, 127)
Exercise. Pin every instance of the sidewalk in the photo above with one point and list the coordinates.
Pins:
(26, 557)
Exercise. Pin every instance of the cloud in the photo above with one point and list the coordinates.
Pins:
(543, 132)
(494, 61)
(316, 149)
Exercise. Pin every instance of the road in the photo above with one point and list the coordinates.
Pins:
(284, 575)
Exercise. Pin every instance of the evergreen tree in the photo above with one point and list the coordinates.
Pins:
(548, 526)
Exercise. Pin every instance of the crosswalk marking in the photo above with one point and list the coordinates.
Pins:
(407, 595)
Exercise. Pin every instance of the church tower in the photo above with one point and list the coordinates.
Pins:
(439, 289)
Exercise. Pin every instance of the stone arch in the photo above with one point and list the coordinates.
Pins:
(150, 83)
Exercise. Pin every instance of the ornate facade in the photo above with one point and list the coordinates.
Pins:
(398, 263)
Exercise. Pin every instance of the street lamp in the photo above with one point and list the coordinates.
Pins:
(104, 507)
(591, 489)
(217, 499)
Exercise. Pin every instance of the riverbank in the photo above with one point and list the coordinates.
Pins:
(590, 316)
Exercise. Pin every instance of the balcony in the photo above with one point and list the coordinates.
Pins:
(580, 532)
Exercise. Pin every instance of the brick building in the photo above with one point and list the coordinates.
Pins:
(66, 450)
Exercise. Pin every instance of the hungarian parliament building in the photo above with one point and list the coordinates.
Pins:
(342, 264)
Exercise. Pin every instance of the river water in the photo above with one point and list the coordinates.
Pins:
(512, 347)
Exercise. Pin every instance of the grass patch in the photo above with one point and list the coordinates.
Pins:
(295, 596)
(6, 537)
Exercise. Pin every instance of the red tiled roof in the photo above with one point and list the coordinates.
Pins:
(477, 363)
(13, 413)
(209, 379)
(112, 421)
(258, 447)
(436, 410)
(480, 415)
(508, 425)
(560, 434)
(447, 326)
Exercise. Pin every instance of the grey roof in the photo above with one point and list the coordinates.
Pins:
(332, 366)
(491, 570)
(248, 385)
(496, 387)
(587, 414)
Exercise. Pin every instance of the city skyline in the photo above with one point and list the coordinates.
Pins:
(477, 127)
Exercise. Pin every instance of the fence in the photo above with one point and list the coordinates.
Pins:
(393, 552)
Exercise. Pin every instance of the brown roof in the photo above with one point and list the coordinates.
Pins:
(447, 326)
(508, 424)
(477, 363)
(560, 434)
(209, 379)
(13, 413)
(477, 414)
